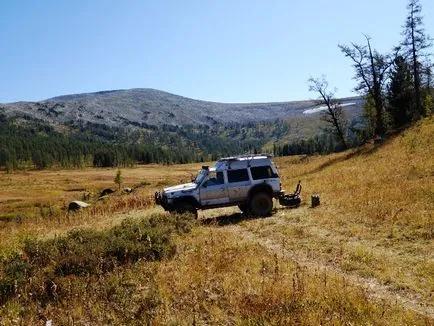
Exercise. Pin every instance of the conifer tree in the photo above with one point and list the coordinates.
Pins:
(400, 93)
(415, 43)
(371, 68)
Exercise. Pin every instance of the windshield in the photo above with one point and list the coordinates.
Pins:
(201, 176)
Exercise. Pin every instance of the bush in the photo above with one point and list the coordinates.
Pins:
(15, 273)
(6, 290)
(89, 252)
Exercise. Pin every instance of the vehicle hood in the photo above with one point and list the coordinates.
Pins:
(183, 187)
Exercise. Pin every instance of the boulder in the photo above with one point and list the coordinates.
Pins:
(106, 192)
(76, 205)
(127, 190)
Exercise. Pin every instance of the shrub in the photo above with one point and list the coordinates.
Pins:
(88, 252)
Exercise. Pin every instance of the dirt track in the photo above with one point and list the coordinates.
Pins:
(373, 288)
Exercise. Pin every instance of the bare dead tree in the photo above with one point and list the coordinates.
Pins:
(371, 71)
(416, 41)
(334, 115)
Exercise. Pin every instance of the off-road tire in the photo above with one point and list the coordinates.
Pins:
(186, 208)
(244, 208)
(261, 204)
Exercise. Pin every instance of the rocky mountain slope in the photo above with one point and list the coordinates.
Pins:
(148, 107)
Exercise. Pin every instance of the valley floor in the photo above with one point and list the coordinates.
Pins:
(364, 256)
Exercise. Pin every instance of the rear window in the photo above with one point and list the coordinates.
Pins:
(238, 175)
(262, 172)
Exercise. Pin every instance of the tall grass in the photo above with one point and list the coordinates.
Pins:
(213, 277)
(217, 278)
(376, 214)
(42, 272)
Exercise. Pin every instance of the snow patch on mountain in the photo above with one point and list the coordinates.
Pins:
(324, 107)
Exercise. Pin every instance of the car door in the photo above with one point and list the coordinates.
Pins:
(214, 190)
(238, 184)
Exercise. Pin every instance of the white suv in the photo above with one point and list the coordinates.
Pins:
(247, 181)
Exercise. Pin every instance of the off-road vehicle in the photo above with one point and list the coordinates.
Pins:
(247, 181)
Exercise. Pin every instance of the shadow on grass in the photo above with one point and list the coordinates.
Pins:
(235, 218)
(231, 219)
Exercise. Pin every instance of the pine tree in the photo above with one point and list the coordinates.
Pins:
(428, 104)
(400, 93)
(415, 42)
(371, 68)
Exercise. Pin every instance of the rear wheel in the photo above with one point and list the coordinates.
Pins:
(261, 204)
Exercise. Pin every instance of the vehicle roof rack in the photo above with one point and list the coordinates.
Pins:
(246, 157)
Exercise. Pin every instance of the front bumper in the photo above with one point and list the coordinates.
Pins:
(161, 199)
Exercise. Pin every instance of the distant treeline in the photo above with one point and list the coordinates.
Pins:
(32, 144)
(323, 143)
(26, 143)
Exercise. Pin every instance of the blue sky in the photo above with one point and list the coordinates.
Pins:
(226, 50)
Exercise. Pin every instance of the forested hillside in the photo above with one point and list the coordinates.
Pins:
(125, 127)
(27, 143)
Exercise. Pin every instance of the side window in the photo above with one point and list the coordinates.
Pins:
(262, 172)
(220, 178)
(215, 179)
(238, 175)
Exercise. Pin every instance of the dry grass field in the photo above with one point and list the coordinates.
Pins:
(34, 203)
(365, 256)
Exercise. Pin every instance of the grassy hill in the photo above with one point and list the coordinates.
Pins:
(364, 256)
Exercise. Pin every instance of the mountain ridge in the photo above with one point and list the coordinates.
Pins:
(146, 106)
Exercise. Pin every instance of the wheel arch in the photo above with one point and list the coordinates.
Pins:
(262, 187)
(187, 199)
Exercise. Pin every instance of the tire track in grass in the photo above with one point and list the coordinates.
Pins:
(374, 289)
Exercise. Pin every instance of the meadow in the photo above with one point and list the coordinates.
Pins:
(364, 256)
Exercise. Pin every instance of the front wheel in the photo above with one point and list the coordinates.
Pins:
(244, 208)
(261, 204)
(186, 208)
